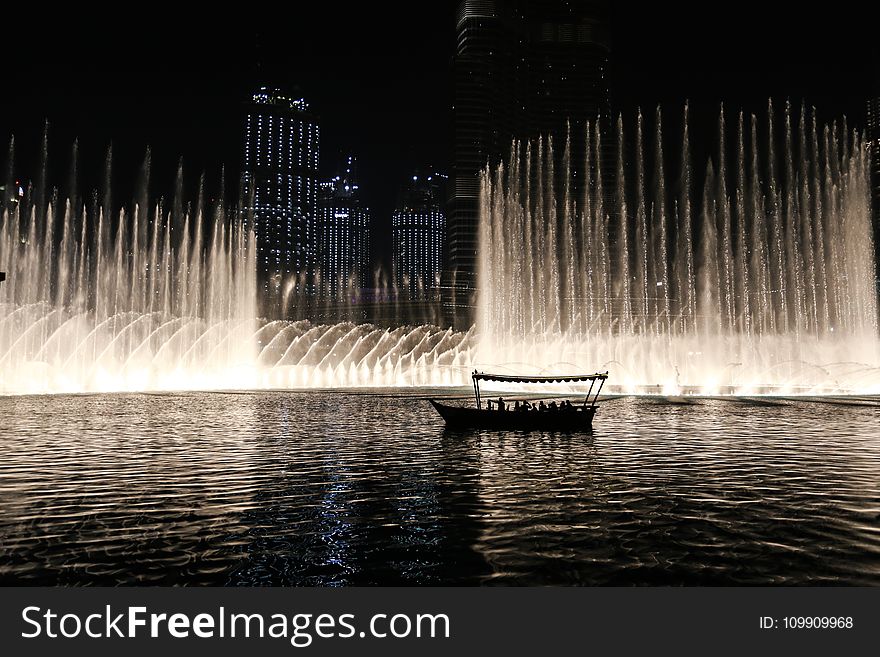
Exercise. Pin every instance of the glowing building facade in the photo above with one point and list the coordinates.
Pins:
(280, 186)
(343, 231)
(418, 229)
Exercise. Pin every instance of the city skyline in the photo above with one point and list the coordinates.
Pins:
(184, 105)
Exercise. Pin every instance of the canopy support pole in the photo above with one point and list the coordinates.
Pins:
(587, 398)
(601, 383)
(477, 392)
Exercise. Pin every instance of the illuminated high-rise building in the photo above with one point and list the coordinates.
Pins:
(279, 188)
(523, 69)
(418, 231)
(343, 232)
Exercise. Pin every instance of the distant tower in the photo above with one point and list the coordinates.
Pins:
(279, 188)
(343, 231)
(418, 234)
(523, 68)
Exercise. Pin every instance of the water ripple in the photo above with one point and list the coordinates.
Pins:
(339, 489)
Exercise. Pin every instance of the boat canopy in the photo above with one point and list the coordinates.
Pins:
(592, 378)
(481, 376)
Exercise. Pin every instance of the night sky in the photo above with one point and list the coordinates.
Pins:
(379, 77)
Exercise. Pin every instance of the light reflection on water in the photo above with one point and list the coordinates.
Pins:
(338, 489)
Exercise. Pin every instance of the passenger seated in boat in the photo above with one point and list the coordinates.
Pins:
(542, 406)
(553, 406)
(516, 405)
(489, 403)
(566, 406)
(501, 404)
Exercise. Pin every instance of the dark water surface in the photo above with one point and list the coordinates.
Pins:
(355, 488)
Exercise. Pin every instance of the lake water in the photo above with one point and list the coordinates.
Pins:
(344, 488)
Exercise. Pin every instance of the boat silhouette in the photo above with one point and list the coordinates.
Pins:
(523, 414)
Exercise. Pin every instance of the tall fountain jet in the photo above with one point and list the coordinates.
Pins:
(753, 275)
(134, 300)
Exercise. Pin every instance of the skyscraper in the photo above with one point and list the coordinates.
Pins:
(279, 188)
(343, 231)
(418, 228)
(523, 68)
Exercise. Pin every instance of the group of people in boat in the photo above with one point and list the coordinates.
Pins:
(525, 406)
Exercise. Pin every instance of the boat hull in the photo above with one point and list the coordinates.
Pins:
(460, 417)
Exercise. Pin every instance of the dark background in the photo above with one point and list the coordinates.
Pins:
(379, 77)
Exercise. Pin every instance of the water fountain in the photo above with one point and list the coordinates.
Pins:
(763, 281)
(139, 300)
(157, 298)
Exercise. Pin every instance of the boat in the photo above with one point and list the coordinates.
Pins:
(570, 417)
